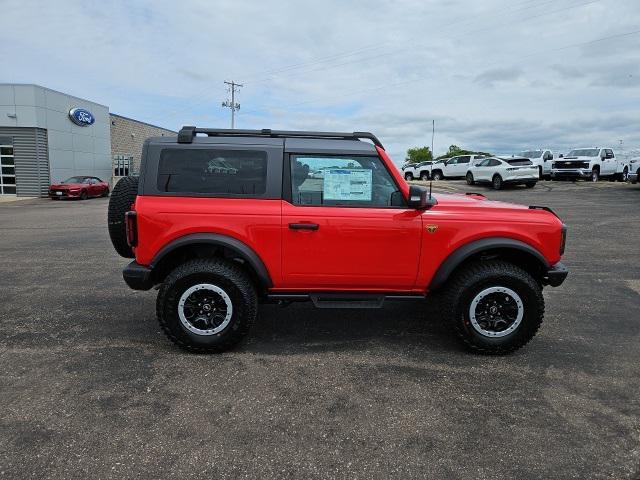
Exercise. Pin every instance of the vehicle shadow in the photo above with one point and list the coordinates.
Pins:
(301, 328)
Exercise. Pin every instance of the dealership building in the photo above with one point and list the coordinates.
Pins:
(47, 136)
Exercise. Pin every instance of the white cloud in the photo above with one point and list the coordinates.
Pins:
(496, 75)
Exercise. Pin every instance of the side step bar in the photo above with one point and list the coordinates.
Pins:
(341, 300)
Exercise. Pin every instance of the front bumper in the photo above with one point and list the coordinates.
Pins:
(555, 275)
(137, 276)
(63, 194)
(571, 172)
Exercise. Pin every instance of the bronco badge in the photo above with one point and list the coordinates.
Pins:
(432, 228)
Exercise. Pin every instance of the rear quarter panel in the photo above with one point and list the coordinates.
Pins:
(254, 222)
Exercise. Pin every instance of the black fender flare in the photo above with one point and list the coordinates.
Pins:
(240, 248)
(462, 253)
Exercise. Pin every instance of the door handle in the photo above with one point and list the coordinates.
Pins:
(304, 226)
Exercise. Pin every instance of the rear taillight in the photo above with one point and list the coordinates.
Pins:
(131, 226)
(563, 239)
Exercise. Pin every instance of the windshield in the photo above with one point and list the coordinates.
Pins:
(584, 152)
(75, 180)
(531, 154)
(519, 161)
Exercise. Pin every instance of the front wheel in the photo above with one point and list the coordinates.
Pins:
(494, 307)
(408, 176)
(470, 180)
(595, 175)
(496, 182)
(437, 175)
(206, 306)
(424, 176)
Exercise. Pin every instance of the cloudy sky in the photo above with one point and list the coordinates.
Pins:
(496, 75)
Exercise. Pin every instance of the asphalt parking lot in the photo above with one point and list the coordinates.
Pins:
(91, 388)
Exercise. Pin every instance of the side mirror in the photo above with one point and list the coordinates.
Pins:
(419, 198)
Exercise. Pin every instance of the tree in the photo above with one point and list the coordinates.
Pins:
(455, 150)
(418, 154)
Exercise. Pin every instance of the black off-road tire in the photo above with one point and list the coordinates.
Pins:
(122, 197)
(470, 180)
(468, 282)
(222, 273)
(496, 182)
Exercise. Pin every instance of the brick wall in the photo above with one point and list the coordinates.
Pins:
(127, 136)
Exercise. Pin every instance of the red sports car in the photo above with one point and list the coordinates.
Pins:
(79, 187)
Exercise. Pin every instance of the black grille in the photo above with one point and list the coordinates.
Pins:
(570, 164)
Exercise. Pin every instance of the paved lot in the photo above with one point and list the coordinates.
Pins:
(90, 387)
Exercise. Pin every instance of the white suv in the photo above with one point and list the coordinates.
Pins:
(591, 163)
(541, 159)
(500, 171)
(417, 170)
(454, 167)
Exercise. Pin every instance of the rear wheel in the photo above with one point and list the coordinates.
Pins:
(206, 306)
(496, 182)
(408, 176)
(122, 197)
(494, 307)
(424, 176)
(437, 175)
(470, 180)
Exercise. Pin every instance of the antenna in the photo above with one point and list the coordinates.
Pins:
(433, 133)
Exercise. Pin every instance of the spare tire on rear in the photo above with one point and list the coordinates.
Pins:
(122, 198)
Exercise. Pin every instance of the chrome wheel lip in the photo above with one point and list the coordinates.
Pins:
(212, 288)
(489, 333)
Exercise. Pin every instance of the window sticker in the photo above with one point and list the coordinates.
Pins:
(347, 184)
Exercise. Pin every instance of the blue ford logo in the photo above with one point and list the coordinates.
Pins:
(81, 117)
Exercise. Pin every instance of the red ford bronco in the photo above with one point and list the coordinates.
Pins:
(221, 220)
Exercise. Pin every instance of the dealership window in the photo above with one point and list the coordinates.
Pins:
(213, 172)
(122, 165)
(7, 170)
(342, 181)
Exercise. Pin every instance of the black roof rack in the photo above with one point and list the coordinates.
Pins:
(187, 133)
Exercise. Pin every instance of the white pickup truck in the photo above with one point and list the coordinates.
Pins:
(634, 170)
(542, 158)
(591, 163)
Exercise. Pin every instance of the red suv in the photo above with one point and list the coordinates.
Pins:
(221, 220)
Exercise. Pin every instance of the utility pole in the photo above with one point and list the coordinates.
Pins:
(232, 104)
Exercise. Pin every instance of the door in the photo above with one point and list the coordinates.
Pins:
(612, 162)
(347, 228)
(8, 170)
(461, 167)
(449, 167)
(481, 171)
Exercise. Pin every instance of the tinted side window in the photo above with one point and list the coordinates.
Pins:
(494, 163)
(341, 181)
(464, 159)
(212, 171)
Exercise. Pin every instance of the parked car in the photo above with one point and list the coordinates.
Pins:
(454, 167)
(500, 171)
(543, 159)
(634, 170)
(591, 163)
(81, 187)
(217, 248)
(417, 170)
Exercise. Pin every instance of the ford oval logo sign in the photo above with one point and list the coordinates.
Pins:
(81, 117)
